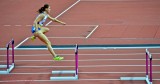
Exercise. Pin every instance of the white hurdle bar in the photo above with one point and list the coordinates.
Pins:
(8, 67)
(75, 72)
(148, 77)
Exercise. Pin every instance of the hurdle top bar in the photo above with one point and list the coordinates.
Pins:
(149, 54)
(11, 42)
(76, 49)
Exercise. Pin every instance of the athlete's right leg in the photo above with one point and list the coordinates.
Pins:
(44, 30)
(44, 39)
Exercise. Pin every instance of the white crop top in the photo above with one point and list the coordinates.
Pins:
(43, 20)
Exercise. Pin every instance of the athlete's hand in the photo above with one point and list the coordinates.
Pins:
(63, 23)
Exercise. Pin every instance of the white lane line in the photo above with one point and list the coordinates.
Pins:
(115, 72)
(28, 25)
(86, 66)
(91, 79)
(68, 37)
(7, 81)
(89, 73)
(105, 79)
(120, 54)
(18, 25)
(21, 43)
(89, 60)
(37, 55)
(74, 25)
(7, 25)
(129, 38)
(3, 49)
(64, 11)
(103, 48)
(109, 0)
(92, 31)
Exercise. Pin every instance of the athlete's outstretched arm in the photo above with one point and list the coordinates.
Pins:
(56, 20)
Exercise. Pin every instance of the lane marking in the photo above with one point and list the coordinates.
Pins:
(91, 79)
(110, 0)
(3, 49)
(86, 48)
(64, 11)
(73, 25)
(85, 54)
(7, 25)
(92, 32)
(29, 25)
(21, 43)
(85, 66)
(68, 37)
(18, 25)
(87, 60)
(88, 73)
(95, 47)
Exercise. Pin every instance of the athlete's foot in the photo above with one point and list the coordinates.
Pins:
(58, 58)
(33, 38)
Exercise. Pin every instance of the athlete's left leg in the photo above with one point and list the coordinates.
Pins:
(43, 30)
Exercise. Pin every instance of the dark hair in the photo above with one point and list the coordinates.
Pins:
(42, 9)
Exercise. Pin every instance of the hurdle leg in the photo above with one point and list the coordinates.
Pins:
(64, 78)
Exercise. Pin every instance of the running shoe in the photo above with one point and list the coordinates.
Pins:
(33, 38)
(58, 58)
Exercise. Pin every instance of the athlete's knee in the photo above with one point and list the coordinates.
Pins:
(47, 30)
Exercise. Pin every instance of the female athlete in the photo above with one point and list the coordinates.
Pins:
(39, 30)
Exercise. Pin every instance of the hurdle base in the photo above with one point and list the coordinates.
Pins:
(8, 70)
(66, 78)
(132, 78)
(137, 79)
(64, 72)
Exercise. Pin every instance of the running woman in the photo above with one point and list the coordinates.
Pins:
(39, 30)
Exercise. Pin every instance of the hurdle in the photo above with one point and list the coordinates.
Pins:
(148, 77)
(9, 67)
(75, 72)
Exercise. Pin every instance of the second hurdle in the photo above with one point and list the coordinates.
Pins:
(148, 77)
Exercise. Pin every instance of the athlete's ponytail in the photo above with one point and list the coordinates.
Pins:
(42, 9)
